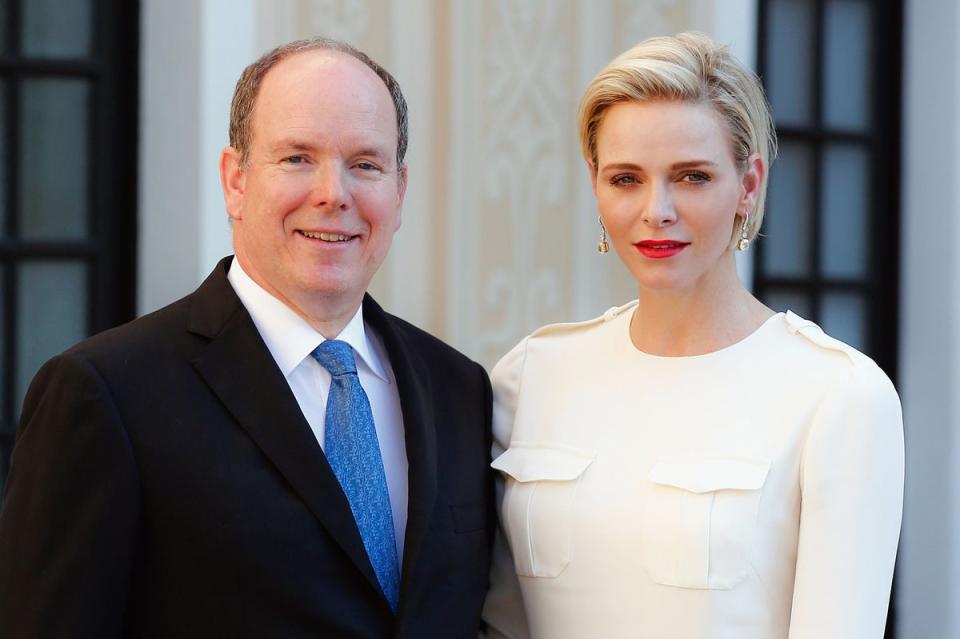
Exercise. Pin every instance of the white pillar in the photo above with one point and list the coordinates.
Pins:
(169, 174)
(929, 562)
(227, 46)
(193, 53)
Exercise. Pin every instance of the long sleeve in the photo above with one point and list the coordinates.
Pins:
(68, 525)
(503, 610)
(852, 498)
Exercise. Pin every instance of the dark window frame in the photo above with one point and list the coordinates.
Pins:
(881, 283)
(109, 250)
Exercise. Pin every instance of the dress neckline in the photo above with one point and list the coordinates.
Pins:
(767, 325)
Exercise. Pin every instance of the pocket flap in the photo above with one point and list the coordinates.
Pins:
(708, 475)
(535, 463)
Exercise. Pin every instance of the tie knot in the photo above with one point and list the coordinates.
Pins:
(336, 356)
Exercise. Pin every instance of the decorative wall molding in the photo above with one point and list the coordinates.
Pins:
(650, 18)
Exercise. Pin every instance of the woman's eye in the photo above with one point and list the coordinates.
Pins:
(696, 176)
(623, 180)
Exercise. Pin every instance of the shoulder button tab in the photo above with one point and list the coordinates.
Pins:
(815, 334)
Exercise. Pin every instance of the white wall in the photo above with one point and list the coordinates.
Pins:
(929, 562)
(169, 166)
(192, 54)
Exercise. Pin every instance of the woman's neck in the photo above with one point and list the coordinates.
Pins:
(697, 320)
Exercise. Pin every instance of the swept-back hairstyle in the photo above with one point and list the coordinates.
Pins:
(245, 93)
(688, 67)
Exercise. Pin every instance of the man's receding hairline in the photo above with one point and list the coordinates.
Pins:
(320, 51)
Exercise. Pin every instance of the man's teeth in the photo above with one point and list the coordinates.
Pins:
(326, 237)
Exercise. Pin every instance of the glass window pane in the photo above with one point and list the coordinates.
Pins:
(843, 315)
(789, 59)
(4, 145)
(787, 300)
(4, 425)
(51, 315)
(4, 11)
(844, 222)
(788, 216)
(54, 152)
(57, 28)
(847, 64)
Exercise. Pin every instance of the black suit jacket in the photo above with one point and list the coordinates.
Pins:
(164, 483)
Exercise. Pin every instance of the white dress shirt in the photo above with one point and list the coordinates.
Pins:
(290, 340)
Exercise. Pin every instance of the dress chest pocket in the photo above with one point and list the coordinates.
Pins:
(538, 505)
(699, 521)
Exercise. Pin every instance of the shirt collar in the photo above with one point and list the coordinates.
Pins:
(289, 338)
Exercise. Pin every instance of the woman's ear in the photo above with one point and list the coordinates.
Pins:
(592, 170)
(751, 180)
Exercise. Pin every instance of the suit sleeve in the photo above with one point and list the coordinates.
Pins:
(71, 505)
(503, 610)
(851, 478)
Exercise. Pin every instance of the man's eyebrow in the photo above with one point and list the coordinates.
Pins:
(298, 145)
(372, 151)
(295, 145)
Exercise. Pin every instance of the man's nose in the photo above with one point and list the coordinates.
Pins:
(329, 188)
(658, 209)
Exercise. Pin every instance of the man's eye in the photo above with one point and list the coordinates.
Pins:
(295, 159)
(367, 166)
(696, 176)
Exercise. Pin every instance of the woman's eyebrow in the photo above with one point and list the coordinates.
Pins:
(690, 164)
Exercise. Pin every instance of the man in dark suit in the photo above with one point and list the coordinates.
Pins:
(273, 455)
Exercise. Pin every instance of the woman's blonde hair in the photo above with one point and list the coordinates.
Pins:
(688, 67)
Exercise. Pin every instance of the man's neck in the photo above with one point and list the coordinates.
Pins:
(327, 314)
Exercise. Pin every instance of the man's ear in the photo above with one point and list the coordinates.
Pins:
(233, 180)
(403, 182)
(401, 192)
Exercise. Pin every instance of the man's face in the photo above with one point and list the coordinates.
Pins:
(315, 208)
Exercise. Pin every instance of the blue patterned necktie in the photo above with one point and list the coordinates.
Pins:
(354, 454)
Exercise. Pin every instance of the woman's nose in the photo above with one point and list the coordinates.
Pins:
(658, 209)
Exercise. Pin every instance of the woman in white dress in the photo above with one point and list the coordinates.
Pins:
(690, 465)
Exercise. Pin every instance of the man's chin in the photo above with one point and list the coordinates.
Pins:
(332, 288)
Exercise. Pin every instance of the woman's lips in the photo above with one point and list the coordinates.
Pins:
(660, 249)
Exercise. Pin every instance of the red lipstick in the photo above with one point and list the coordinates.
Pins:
(660, 249)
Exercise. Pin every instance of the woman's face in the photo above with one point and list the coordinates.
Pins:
(668, 190)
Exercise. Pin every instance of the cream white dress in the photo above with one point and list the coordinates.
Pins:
(750, 493)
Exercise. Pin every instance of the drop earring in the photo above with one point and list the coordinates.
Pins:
(744, 242)
(602, 246)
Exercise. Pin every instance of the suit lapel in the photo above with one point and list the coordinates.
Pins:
(239, 369)
(413, 386)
